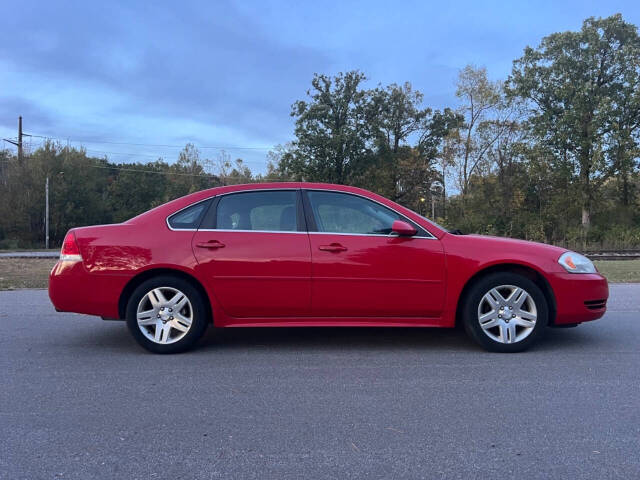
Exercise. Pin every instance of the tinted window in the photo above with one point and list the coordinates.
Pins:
(273, 211)
(344, 213)
(189, 217)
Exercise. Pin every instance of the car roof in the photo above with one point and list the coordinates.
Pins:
(182, 202)
(275, 185)
(202, 194)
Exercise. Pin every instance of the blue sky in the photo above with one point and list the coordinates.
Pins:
(222, 74)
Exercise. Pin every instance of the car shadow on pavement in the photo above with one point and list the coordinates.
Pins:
(114, 337)
(337, 338)
(387, 339)
(573, 339)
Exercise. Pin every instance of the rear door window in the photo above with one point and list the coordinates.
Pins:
(273, 211)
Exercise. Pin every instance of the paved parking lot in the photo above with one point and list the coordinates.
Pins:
(79, 399)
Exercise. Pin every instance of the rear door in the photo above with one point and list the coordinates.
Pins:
(360, 269)
(253, 249)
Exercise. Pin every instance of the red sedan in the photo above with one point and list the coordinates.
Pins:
(304, 254)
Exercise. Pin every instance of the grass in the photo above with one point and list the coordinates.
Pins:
(4, 250)
(619, 271)
(25, 272)
(34, 272)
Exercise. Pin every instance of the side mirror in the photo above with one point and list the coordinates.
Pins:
(403, 229)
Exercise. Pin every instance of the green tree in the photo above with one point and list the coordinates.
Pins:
(86, 190)
(232, 172)
(579, 85)
(331, 130)
(487, 116)
(394, 115)
(135, 188)
(189, 173)
(382, 139)
(438, 141)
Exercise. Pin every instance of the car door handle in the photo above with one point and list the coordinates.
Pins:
(334, 247)
(210, 244)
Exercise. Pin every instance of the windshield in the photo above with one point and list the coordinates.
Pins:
(430, 221)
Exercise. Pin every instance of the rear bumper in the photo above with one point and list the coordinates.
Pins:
(73, 289)
(579, 297)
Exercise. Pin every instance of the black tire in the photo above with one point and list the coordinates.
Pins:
(199, 322)
(470, 311)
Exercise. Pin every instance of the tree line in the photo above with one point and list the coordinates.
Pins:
(85, 190)
(550, 153)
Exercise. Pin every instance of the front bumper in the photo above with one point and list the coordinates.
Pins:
(579, 297)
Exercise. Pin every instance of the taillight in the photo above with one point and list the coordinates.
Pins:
(70, 251)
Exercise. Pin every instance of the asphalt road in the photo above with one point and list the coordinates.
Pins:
(79, 399)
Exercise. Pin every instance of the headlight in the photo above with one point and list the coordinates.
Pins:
(575, 263)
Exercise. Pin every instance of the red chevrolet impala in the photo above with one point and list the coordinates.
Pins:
(305, 254)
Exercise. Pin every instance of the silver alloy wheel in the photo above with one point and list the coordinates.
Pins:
(507, 314)
(164, 315)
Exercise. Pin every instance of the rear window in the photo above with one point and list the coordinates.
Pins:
(190, 217)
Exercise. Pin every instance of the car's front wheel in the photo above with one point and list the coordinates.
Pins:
(166, 314)
(505, 312)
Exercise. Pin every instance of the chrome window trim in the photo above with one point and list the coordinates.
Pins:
(388, 235)
(258, 190)
(431, 237)
(222, 195)
(227, 230)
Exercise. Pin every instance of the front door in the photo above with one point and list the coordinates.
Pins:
(254, 252)
(360, 269)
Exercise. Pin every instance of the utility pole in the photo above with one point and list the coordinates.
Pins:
(46, 214)
(20, 138)
(19, 142)
(444, 188)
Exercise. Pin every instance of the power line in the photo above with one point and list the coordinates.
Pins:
(137, 154)
(125, 153)
(138, 170)
(214, 147)
(208, 175)
(130, 154)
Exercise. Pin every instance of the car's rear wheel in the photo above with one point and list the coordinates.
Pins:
(505, 312)
(166, 314)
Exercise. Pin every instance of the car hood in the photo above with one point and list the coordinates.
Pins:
(512, 245)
